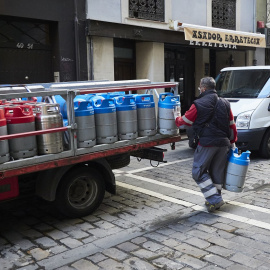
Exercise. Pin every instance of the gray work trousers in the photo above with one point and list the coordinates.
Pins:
(209, 168)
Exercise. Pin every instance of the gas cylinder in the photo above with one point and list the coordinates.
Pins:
(63, 104)
(115, 94)
(126, 111)
(166, 122)
(105, 120)
(236, 170)
(4, 149)
(146, 115)
(85, 119)
(34, 106)
(48, 116)
(21, 119)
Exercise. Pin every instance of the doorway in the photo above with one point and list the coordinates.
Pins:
(124, 60)
(180, 67)
(25, 51)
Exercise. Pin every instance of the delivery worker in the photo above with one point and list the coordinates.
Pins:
(213, 124)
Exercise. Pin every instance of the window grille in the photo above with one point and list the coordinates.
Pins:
(268, 11)
(147, 9)
(224, 14)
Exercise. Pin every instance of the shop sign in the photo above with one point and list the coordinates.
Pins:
(206, 37)
(214, 45)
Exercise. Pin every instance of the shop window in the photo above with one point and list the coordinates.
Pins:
(147, 9)
(224, 14)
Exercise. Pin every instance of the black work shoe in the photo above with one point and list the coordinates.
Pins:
(208, 204)
(213, 207)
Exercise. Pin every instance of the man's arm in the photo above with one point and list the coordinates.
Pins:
(187, 119)
(233, 137)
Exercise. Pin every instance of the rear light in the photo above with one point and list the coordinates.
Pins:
(9, 188)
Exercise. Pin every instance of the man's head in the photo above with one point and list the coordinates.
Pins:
(207, 83)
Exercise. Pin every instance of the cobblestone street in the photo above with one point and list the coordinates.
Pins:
(157, 220)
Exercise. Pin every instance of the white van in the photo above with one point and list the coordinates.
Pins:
(248, 90)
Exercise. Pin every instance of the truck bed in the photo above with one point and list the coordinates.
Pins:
(76, 155)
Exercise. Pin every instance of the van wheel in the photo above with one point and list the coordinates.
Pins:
(265, 145)
(80, 192)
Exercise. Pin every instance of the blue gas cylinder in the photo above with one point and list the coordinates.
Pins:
(166, 122)
(115, 94)
(85, 119)
(146, 114)
(63, 104)
(126, 111)
(236, 170)
(105, 120)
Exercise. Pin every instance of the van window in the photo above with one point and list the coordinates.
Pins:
(242, 83)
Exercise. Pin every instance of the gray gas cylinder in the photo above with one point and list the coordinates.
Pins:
(236, 170)
(20, 119)
(126, 111)
(166, 122)
(4, 149)
(105, 120)
(146, 115)
(48, 116)
(85, 119)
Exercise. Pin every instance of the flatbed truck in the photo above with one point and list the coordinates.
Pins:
(77, 178)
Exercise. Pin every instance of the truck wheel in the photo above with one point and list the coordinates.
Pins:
(80, 192)
(265, 145)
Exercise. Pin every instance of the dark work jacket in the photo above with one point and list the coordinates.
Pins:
(213, 119)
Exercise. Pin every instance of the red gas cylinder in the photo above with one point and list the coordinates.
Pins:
(4, 149)
(20, 119)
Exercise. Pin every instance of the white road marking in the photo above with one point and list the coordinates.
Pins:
(244, 205)
(155, 194)
(149, 180)
(151, 167)
(246, 220)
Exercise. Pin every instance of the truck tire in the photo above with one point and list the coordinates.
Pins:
(119, 161)
(265, 145)
(80, 192)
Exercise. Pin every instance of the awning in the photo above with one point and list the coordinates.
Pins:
(218, 35)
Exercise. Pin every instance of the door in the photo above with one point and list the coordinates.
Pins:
(124, 60)
(179, 67)
(25, 51)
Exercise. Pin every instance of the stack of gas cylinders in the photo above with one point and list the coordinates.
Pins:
(28, 116)
(100, 119)
(107, 118)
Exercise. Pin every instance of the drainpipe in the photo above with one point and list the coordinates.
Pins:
(254, 17)
(90, 58)
(77, 47)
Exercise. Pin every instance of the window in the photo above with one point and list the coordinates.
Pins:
(224, 14)
(243, 83)
(147, 9)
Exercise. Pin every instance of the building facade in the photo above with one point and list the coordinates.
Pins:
(129, 39)
(69, 40)
(42, 41)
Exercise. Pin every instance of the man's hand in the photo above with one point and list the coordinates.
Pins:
(233, 146)
(176, 111)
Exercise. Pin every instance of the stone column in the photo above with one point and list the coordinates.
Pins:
(150, 62)
(103, 58)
